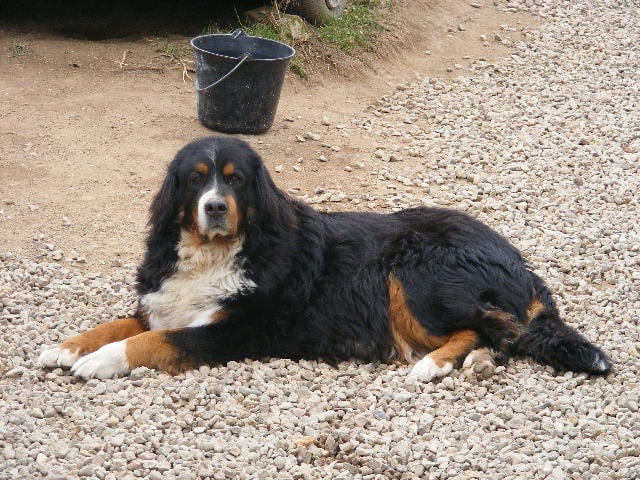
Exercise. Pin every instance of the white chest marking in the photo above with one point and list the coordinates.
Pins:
(204, 276)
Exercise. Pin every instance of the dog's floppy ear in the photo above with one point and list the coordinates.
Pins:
(164, 207)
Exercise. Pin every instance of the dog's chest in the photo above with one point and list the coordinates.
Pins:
(191, 296)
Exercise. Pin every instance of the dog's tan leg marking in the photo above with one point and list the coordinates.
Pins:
(153, 350)
(408, 334)
(441, 361)
(93, 339)
(68, 352)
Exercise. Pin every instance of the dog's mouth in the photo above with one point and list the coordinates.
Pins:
(220, 227)
(216, 229)
(212, 236)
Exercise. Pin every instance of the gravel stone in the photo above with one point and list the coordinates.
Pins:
(311, 136)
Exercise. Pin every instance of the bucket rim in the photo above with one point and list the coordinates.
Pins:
(252, 59)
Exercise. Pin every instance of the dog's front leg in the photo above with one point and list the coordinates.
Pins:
(174, 350)
(68, 352)
(147, 349)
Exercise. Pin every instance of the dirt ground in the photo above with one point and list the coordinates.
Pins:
(85, 136)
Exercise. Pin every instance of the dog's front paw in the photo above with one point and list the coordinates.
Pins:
(427, 369)
(106, 362)
(58, 357)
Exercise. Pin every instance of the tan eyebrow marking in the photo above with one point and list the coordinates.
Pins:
(202, 168)
(228, 169)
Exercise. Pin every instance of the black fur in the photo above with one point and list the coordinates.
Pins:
(321, 279)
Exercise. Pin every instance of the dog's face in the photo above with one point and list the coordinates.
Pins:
(211, 189)
(215, 200)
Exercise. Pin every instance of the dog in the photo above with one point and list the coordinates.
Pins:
(236, 269)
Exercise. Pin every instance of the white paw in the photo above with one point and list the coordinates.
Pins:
(106, 362)
(426, 370)
(57, 357)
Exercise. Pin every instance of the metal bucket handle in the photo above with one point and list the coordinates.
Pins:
(245, 56)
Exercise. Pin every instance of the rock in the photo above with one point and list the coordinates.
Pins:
(37, 413)
(292, 27)
(86, 471)
(311, 136)
(402, 397)
(17, 371)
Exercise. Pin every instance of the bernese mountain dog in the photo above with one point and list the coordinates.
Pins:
(235, 269)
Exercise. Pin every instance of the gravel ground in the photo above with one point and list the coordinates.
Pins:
(544, 145)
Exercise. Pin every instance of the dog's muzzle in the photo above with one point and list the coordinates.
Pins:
(212, 215)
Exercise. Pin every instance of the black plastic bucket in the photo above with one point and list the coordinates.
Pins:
(238, 80)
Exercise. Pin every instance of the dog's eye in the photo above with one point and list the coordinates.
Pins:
(195, 179)
(234, 178)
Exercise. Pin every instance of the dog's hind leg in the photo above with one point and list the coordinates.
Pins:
(442, 360)
(480, 363)
(495, 327)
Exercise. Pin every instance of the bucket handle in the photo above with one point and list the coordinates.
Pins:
(238, 32)
(245, 56)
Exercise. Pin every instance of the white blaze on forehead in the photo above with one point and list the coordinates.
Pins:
(211, 194)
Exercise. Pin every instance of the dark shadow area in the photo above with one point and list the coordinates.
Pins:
(98, 20)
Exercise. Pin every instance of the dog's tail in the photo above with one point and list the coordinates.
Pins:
(549, 340)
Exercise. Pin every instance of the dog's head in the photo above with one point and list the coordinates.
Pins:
(215, 188)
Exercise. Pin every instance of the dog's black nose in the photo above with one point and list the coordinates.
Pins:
(215, 208)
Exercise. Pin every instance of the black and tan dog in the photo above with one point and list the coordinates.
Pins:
(237, 269)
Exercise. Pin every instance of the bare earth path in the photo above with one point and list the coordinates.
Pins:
(84, 140)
